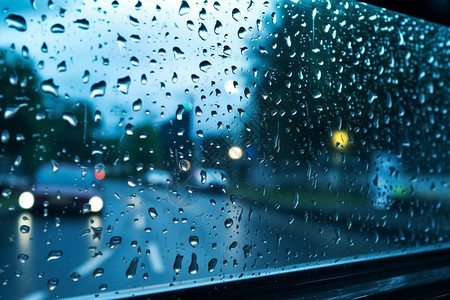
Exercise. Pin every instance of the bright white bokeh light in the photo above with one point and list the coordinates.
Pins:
(235, 152)
(96, 203)
(26, 200)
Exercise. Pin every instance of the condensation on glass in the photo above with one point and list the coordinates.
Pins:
(150, 146)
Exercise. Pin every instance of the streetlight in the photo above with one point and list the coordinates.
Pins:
(235, 152)
(340, 139)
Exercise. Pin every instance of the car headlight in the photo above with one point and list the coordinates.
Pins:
(26, 200)
(96, 203)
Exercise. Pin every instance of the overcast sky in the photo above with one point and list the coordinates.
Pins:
(125, 40)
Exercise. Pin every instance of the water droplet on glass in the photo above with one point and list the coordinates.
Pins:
(19, 137)
(61, 67)
(203, 32)
(11, 110)
(152, 212)
(193, 267)
(212, 265)
(247, 93)
(376, 237)
(195, 78)
(232, 246)
(55, 166)
(98, 89)
(134, 61)
(52, 283)
(180, 111)
(24, 229)
(49, 87)
(296, 200)
(193, 240)
(14, 78)
(18, 161)
(291, 219)
(98, 272)
(123, 84)
(184, 8)
(203, 176)
(131, 182)
(177, 53)
(178, 262)
(70, 118)
(126, 156)
(247, 251)
(33, 4)
(85, 77)
(54, 254)
(137, 105)
(40, 116)
(228, 223)
(129, 129)
(401, 111)
(22, 258)
(144, 80)
(75, 276)
(44, 48)
(236, 14)
(17, 22)
(202, 14)
(349, 223)
(97, 116)
(103, 287)
(82, 23)
(115, 241)
(121, 42)
(317, 94)
(25, 52)
(218, 28)
(97, 232)
(174, 77)
(162, 51)
(205, 66)
(242, 32)
(57, 28)
(184, 165)
(6, 193)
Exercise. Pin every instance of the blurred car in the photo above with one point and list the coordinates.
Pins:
(68, 187)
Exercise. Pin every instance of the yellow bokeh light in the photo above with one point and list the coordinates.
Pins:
(340, 139)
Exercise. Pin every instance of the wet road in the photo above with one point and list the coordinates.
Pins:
(154, 240)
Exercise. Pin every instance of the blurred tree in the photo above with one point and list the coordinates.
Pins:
(32, 132)
(323, 72)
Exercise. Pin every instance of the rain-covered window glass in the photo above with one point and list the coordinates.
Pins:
(149, 146)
